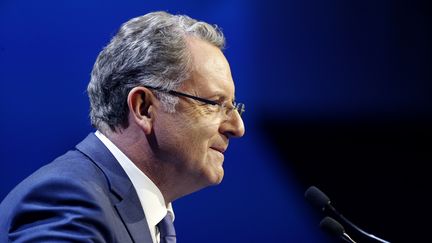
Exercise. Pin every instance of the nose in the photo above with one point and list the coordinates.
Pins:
(233, 126)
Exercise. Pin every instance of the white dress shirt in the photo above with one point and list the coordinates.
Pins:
(151, 198)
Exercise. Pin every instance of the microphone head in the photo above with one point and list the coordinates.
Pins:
(317, 197)
(332, 227)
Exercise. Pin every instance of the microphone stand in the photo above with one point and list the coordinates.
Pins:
(329, 206)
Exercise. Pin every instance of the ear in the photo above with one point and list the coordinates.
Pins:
(141, 107)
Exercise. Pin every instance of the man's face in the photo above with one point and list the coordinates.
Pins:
(195, 137)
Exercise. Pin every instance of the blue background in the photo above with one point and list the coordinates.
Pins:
(294, 63)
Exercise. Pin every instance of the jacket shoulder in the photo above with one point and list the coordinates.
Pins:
(70, 194)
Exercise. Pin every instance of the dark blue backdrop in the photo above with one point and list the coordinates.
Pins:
(293, 60)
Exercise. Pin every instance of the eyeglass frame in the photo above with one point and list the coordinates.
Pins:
(239, 107)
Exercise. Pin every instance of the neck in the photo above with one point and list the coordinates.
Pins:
(142, 150)
(136, 146)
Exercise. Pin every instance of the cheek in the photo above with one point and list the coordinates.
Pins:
(194, 133)
(203, 125)
(198, 144)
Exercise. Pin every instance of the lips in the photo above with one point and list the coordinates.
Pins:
(220, 149)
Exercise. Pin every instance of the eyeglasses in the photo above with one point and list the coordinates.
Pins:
(239, 107)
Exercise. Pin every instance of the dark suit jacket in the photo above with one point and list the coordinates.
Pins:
(82, 196)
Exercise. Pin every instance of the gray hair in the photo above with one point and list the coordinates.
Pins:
(148, 50)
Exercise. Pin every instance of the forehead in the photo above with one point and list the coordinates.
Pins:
(211, 74)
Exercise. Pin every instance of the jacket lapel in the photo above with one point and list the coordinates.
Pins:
(136, 223)
(128, 205)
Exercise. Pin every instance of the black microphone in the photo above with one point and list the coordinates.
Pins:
(318, 198)
(334, 228)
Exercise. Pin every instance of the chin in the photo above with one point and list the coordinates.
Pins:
(216, 178)
(218, 181)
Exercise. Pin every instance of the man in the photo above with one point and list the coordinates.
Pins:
(162, 100)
